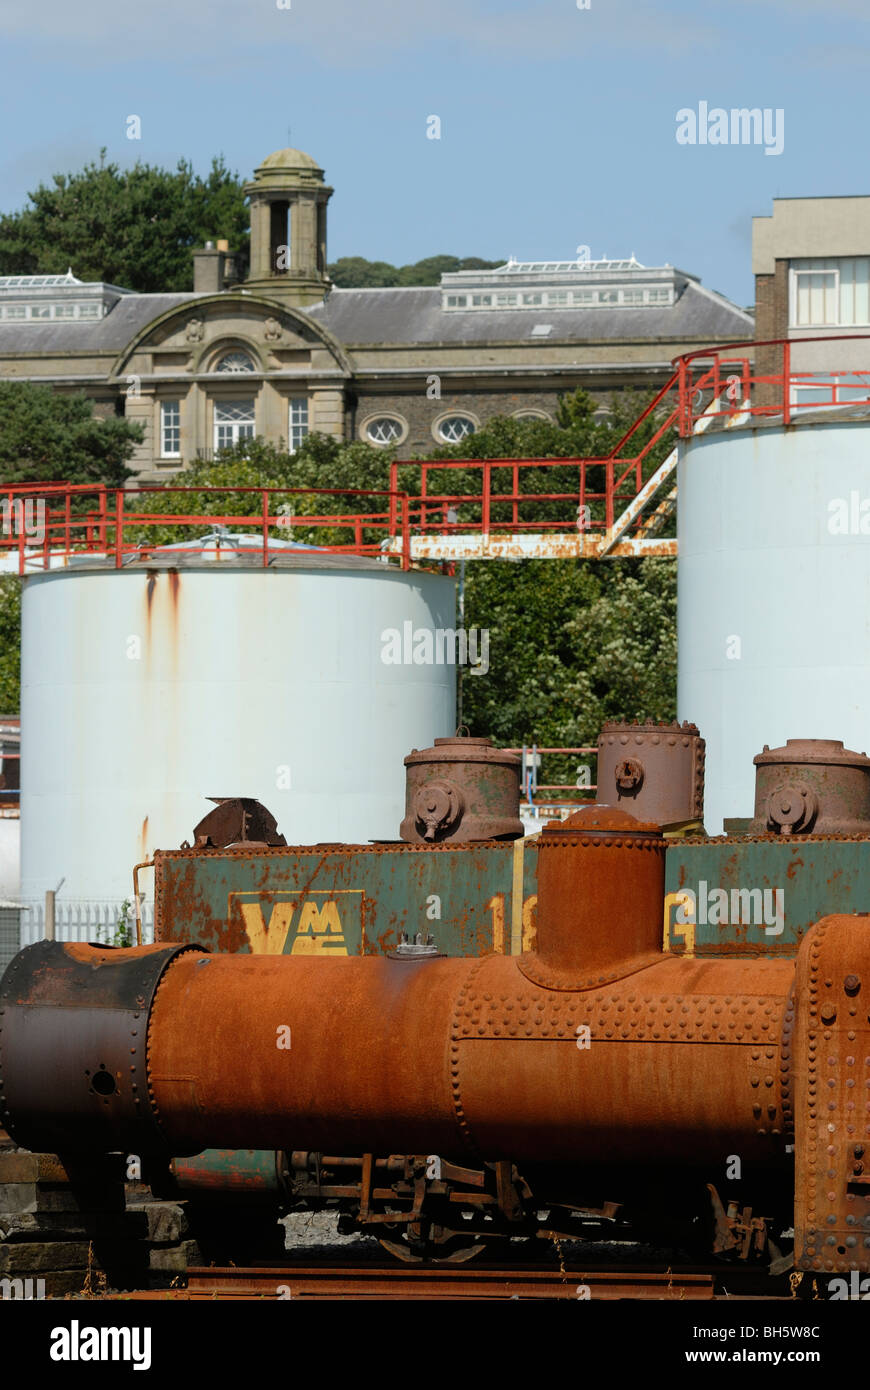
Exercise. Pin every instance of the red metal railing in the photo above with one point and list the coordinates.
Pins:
(610, 480)
(721, 385)
(51, 523)
(530, 784)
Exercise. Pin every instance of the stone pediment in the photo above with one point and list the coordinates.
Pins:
(195, 333)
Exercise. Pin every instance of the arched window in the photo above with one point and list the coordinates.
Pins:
(236, 361)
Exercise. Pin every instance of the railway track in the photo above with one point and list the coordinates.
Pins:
(324, 1282)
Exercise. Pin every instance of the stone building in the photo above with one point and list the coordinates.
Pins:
(285, 353)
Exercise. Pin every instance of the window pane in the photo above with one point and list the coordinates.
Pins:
(225, 411)
(170, 429)
(455, 427)
(235, 362)
(383, 430)
(298, 422)
(233, 420)
(862, 306)
(847, 292)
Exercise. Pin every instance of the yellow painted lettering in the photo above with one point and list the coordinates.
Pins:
(319, 931)
(267, 940)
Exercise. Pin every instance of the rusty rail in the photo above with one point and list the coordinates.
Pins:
(480, 1283)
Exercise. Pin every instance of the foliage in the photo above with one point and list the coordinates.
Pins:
(355, 272)
(582, 430)
(48, 437)
(10, 646)
(572, 642)
(131, 227)
(123, 934)
(319, 463)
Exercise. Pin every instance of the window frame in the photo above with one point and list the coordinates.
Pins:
(164, 406)
(456, 413)
(222, 403)
(392, 415)
(297, 430)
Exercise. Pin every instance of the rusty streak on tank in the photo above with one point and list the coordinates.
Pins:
(654, 771)
(461, 789)
(811, 787)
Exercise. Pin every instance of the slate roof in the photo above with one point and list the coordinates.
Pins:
(412, 316)
(408, 316)
(129, 316)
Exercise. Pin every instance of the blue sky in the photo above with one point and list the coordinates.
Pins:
(557, 123)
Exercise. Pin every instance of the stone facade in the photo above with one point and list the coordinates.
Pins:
(285, 353)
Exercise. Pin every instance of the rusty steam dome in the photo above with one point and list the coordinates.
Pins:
(461, 789)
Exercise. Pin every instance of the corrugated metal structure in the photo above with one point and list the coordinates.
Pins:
(151, 687)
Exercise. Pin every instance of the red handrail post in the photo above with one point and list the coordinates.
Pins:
(608, 504)
(119, 527)
(485, 514)
(786, 383)
(406, 533)
(265, 528)
(394, 487)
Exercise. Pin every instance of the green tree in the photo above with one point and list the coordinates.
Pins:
(47, 437)
(131, 227)
(572, 642)
(10, 643)
(355, 272)
(321, 463)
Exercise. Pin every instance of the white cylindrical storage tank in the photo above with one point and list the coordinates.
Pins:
(773, 595)
(147, 689)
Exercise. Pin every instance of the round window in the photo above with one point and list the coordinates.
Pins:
(383, 429)
(454, 428)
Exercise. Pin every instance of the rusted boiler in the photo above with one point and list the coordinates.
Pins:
(599, 1054)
